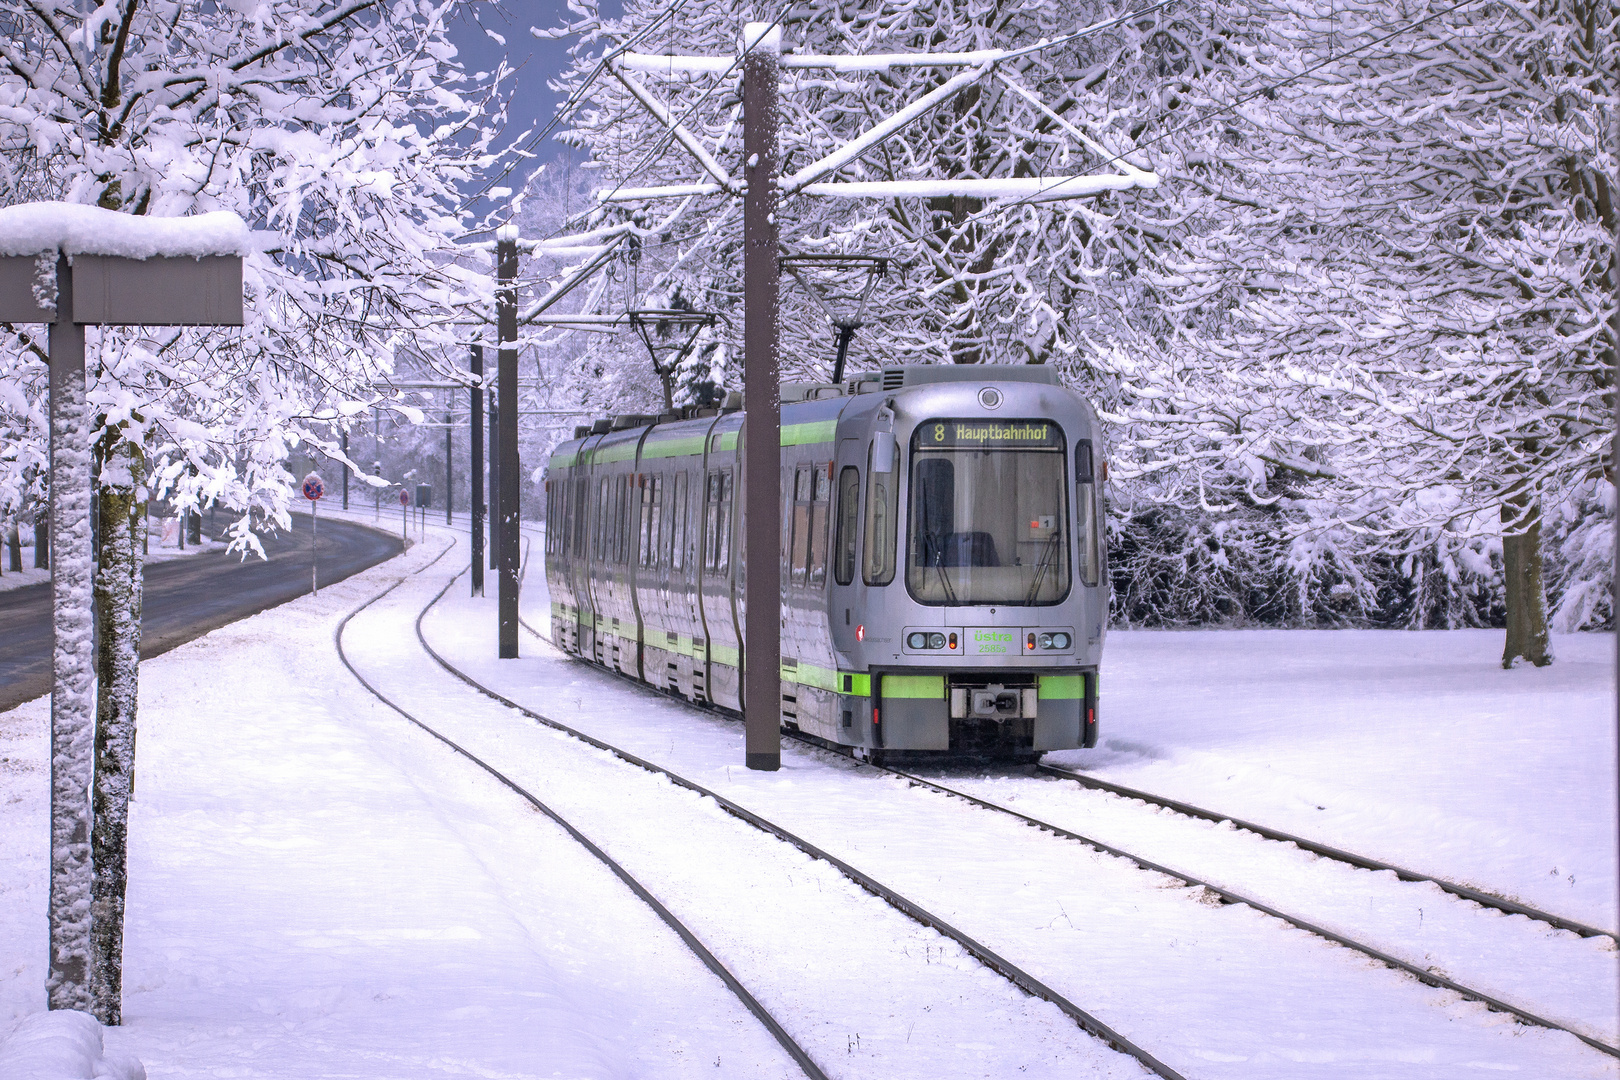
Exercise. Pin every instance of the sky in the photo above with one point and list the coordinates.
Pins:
(533, 102)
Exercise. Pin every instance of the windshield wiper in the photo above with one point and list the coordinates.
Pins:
(1047, 552)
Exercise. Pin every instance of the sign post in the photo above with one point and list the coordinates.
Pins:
(404, 515)
(314, 488)
(191, 277)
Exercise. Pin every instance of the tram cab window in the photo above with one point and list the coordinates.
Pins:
(989, 513)
(849, 508)
(882, 490)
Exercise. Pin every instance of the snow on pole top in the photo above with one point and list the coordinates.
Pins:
(762, 37)
(74, 229)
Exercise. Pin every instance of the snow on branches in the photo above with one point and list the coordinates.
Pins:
(337, 130)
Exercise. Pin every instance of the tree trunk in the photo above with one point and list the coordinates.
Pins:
(42, 540)
(1521, 571)
(14, 548)
(118, 610)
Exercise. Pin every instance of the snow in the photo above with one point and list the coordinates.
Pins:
(34, 228)
(1413, 747)
(63, 1045)
(1034, 188)
(319, 889)
(23, 578)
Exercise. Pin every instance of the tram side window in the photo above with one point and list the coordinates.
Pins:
(582, 492)
(717, 523)
(1088, 540)
(652, 520)
(881, 491)
(820, 498)
(621, 522)
(800, 561)
(599, 534)
(565, 515)
(677, 522)
(551, 545)
(849, 503)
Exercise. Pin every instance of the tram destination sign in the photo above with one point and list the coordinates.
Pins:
(979, 434)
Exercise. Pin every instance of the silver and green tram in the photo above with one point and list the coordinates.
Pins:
(944, 585)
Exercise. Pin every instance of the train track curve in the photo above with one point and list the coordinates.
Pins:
(690, 939)
(1014, 974)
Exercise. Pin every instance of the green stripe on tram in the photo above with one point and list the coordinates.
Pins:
(1062, 687)
(666, 448)
(821, 431)
(926, 687)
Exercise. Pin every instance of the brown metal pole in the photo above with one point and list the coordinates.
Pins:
(506, 319)
(494, 478)
(762, 451)
(475, 471)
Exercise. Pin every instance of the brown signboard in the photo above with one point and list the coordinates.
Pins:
(157, 292)
(17, 301)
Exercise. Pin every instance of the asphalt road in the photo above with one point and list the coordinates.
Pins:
(185, 598)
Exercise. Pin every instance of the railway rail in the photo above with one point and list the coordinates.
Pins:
(1361, 862)
(690, 939)
(1231, 896)
(1013, 973)
(1226, 895)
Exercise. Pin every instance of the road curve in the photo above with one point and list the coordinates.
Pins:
(186, 598)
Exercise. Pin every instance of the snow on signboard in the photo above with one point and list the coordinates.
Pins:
(36, 228)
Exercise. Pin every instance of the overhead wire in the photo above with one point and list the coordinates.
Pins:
(1264, 91)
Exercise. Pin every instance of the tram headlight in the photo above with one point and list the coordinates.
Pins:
(917, 641)
(922, 640)
(1047, 640)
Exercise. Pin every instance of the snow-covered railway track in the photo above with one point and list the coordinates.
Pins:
(1013, 973)
(1326, 851)
(1429, 972)
(1232, 896)
(690, 939)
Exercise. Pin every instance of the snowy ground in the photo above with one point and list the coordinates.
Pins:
(319, 890)
(1415, 747)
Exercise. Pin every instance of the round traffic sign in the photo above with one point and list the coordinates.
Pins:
(404, 497)
(314, 487)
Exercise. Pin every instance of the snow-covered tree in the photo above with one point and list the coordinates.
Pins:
(1403, 282)
(338, 130)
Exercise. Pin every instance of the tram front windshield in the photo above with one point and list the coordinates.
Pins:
(989, 513)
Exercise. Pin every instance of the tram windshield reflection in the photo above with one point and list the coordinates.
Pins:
(989, 513)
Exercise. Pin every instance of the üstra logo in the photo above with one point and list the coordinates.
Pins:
(991, 635)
